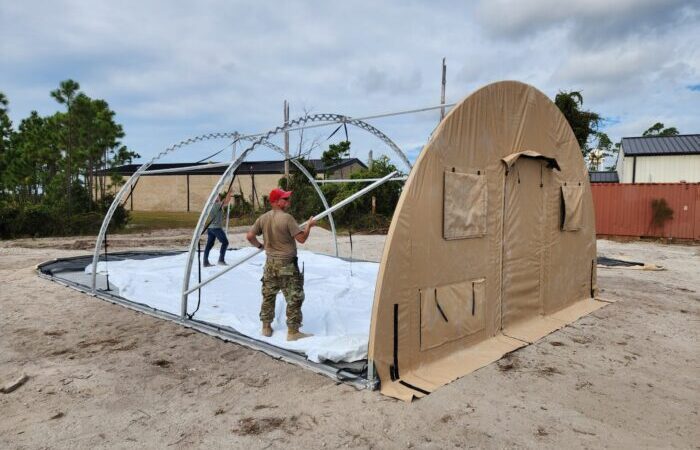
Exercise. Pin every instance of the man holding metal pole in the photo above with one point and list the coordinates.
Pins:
(215, 230)
(281, 233)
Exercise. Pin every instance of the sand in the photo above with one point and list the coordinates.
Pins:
(102, 376)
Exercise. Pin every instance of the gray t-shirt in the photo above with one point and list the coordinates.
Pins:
(216, 216)
(278, 229)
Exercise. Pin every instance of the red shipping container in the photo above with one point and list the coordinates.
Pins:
(625, 209)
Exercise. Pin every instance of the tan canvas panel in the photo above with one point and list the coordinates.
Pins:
(451, 312)
(440, 372)
(540, 326)
(505, 129)
(572, 197)
(464, 207)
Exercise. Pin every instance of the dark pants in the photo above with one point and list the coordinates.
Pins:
(212, 235)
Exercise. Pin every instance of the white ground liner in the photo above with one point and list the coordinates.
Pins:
(337, 309)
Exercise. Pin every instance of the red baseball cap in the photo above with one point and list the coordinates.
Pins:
(278, 193)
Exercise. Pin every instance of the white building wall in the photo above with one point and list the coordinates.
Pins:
(660, 169)
(620, 166)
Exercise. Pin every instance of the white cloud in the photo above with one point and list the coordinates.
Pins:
(174, 69)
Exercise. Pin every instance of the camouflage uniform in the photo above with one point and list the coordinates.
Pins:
(284, 275)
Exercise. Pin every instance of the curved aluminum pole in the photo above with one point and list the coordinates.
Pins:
(319, 216)
(132, 181)
(108, 218)
(303, 170)
(339, 118)
(229, 172)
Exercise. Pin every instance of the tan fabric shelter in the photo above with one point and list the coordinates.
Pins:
(492, 245)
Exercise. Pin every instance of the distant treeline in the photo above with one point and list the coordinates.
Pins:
(48, 166)
(53, 169)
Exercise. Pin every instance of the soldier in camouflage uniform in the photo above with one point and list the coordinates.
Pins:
(281, 233)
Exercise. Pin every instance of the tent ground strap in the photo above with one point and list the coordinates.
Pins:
(394, 369)
(106, 265)
(415, 388)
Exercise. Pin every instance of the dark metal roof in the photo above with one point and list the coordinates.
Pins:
(684, 144)
(247, 167)
(603, 177)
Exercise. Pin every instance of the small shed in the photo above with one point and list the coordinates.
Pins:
(660, 159)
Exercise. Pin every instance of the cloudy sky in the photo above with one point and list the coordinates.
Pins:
(176, 69)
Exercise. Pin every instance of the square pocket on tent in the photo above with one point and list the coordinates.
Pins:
(451, 312)
(572, 209)
(464, 206)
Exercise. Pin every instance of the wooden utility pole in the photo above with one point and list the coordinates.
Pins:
(442, 91)
(286, 142)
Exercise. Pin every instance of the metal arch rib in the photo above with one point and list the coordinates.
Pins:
(339, 118)
(311, 179)
(132, 181)
(384, 138)
(229, 172)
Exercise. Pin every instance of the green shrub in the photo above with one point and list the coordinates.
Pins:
(40, 220)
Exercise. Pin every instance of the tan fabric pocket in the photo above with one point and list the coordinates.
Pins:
(464, 205)
(572, 209)
(451, 312)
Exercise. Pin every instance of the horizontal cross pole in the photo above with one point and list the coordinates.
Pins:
(358, 180)
(330, 210)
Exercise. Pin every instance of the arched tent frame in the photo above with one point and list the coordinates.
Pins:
(229, 173)
(262, 139)
(279, 150)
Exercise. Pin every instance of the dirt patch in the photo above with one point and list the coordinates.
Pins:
(102, 342)
(55, 333)
(259, 407)
(582, 339)
(549, 371)
(164, 363)
(254, 426)
(255, 382)
(63, 351)
(509, 363)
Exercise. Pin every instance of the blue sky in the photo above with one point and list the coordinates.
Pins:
(176, 69)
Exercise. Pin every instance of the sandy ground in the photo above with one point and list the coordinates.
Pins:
(626, 376)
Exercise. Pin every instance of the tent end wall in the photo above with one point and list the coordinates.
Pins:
(479, 260)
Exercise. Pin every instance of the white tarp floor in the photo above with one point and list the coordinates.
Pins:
(337, 308)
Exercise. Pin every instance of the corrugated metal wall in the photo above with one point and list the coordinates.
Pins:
(625, 209)
(660, 169)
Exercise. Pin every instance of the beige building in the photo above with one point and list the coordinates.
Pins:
(188, 191)
(660, 159)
